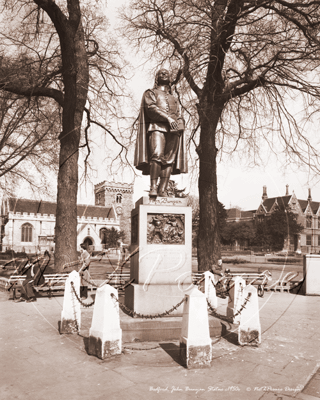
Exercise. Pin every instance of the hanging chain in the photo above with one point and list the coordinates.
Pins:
(87, 305)
(220, 292)
(107, 281)
(74, 310)
(243, 305)
(90, 282)
(134, 314)
(223, 317)
(214, 312)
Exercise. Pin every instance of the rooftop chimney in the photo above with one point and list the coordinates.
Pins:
(309, 197)
(287, 190)
(264, 194)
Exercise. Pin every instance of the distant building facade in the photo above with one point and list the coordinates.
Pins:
(308, 215)
(120, 196)
(29, 225)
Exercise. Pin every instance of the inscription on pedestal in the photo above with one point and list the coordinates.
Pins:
(165, 228)
(164, 266)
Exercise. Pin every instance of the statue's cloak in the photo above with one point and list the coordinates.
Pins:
(141, 155)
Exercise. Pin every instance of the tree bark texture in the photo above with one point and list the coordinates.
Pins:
(75, 99)
(208, 236)
(76, 79)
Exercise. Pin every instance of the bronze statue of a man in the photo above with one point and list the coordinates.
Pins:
(160, 142)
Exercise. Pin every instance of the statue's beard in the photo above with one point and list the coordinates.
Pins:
(162, 82)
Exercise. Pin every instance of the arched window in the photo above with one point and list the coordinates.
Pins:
(26, 232)
(119, 198)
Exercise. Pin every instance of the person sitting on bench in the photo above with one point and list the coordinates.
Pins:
(34, 277)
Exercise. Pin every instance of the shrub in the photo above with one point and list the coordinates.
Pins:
(282, 260)
(234, 261)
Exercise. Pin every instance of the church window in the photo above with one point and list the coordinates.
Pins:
(119, 198)
(88, 231)
(26, 233)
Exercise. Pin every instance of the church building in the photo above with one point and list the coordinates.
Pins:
(29, 225)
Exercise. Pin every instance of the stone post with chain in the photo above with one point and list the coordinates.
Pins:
(71, 314)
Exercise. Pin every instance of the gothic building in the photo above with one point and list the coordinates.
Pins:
(29, 225)
(308, 215)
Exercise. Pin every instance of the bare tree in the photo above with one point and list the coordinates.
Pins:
(28, 145)
(50, 50)
(239, 62)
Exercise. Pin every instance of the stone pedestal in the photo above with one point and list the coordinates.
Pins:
(249, 332)
(71, 313)
(162, 230)
(195, 341)
(235, 298)
(105, 335)
(311, 273)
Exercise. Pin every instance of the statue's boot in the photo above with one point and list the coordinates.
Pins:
(155, 169)
(153, 188)
(164, 180)
(162, 189)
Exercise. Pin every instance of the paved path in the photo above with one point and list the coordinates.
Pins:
(40, 364)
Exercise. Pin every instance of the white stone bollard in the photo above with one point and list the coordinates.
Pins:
(210, 290)
(195, 342)
(235, 301)
(105, 335)
(250, 327)
(311, 274)
(71, 314)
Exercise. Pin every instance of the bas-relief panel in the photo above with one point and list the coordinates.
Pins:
(165, 228)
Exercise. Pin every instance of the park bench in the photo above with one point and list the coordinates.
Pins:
(283, 284)
(118, 280)
(259, 279)
(53, 283)
(196, 277)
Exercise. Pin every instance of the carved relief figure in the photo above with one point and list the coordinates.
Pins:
(165, 229)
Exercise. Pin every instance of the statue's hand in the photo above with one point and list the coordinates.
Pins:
(173, 124)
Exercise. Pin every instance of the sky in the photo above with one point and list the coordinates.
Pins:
(238, 185)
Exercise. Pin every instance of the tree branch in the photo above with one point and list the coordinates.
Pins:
(58, 18)
(247, 86)
(30, 91)
(183, 53)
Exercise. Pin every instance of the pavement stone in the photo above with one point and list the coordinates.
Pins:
(38, 363)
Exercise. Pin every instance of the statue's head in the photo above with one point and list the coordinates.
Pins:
(163, 77)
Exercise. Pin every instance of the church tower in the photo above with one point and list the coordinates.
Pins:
(119, 195)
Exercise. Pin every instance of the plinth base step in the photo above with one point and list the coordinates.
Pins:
(159, 329)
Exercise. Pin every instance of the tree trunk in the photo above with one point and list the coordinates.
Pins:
(208, 237)
(66, 215)
(76, 80)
